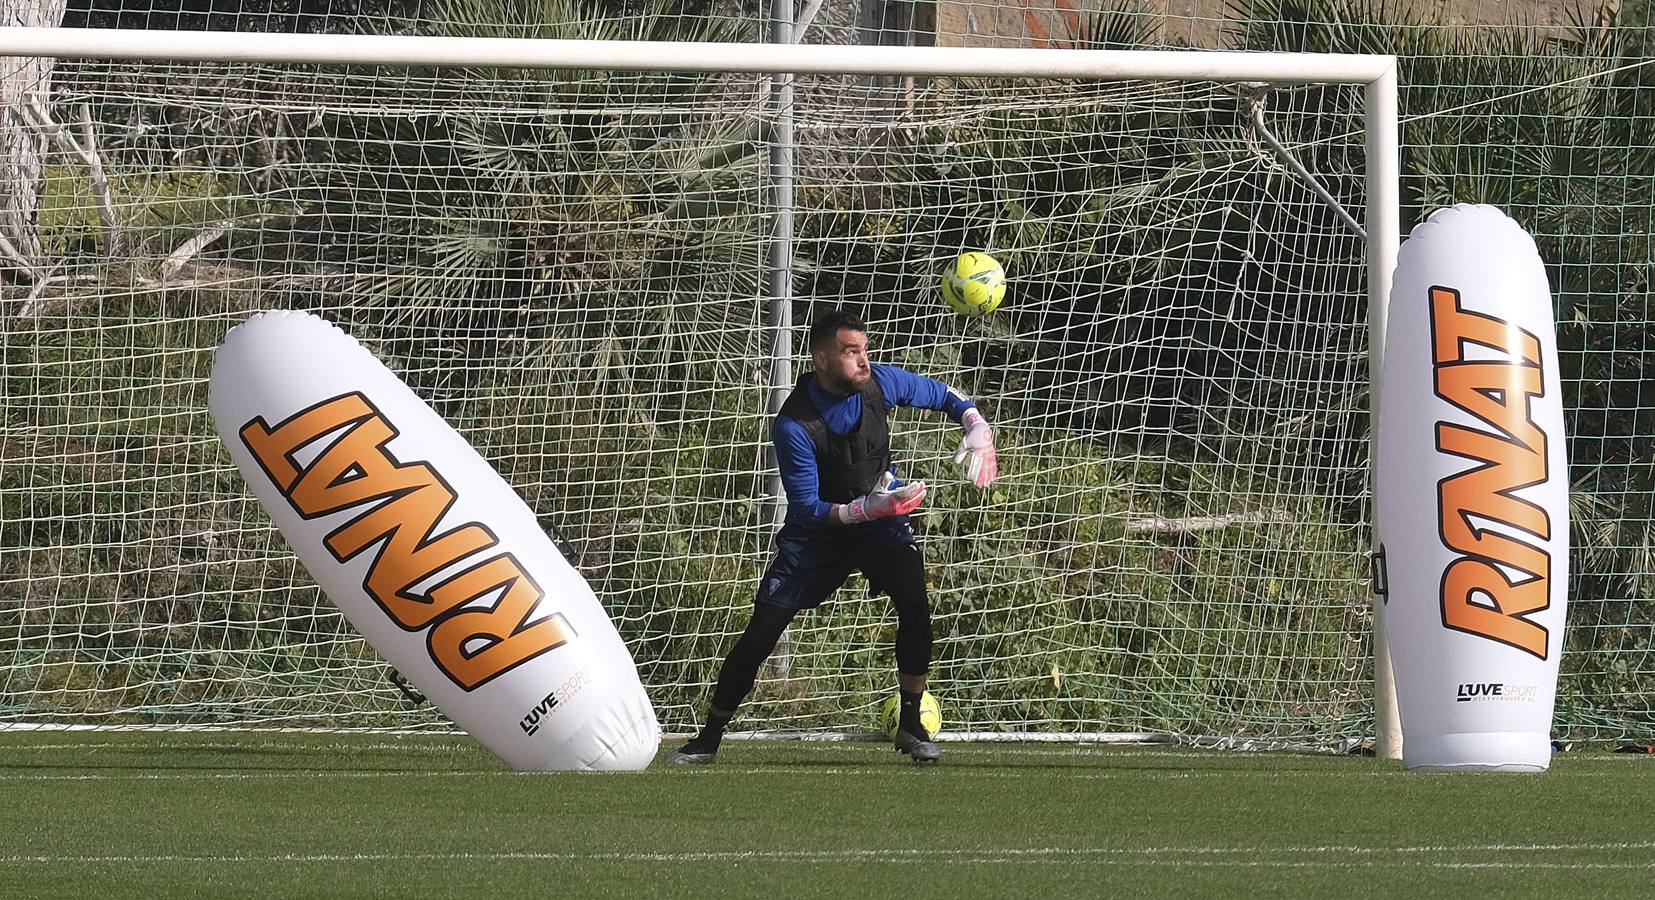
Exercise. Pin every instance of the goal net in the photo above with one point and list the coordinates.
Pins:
(572, 267)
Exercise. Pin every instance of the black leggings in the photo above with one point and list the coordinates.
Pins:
(897, 570)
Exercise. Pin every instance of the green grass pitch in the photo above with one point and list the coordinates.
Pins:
(342, 815)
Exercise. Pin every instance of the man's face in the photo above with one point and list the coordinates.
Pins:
(842, 364)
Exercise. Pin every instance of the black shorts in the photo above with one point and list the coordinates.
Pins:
(812, 562)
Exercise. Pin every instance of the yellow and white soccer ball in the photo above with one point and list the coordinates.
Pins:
(974, 284)
(930, 714)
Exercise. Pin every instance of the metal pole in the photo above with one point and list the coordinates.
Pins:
(1292, 162)
(781, 273)
(1384, 236)
(642, 56)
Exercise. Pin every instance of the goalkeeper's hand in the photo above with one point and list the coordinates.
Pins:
(882, 502)
(976, 451)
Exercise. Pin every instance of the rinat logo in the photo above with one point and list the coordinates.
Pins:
(1500, 577)
(478, 621)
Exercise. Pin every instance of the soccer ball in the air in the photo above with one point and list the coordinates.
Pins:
(930, 714)
(974, 284)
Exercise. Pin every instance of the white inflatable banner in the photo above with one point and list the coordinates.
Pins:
(1472, 495)
(426, 550)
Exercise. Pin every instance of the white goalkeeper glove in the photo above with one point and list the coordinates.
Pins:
(976, 451)
(882, 502)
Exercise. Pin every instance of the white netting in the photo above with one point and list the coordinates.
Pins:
(571, 269)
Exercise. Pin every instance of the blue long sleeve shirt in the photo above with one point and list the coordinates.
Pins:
(796, 452)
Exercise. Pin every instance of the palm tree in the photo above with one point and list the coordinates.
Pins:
(512, 194)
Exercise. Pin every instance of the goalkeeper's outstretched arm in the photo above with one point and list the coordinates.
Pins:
(976, 453)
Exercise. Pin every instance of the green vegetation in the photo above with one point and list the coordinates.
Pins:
(578, 292)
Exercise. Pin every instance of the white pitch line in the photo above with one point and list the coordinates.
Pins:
(1080, 774)
(460, 745)
(1130, 856)
(896, 770)
(224, 745)
(254, 776)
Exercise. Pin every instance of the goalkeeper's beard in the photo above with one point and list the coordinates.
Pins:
(845, 385)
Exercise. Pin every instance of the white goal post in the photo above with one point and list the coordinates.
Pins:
(1374, 74)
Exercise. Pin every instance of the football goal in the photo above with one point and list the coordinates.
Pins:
(597, 260)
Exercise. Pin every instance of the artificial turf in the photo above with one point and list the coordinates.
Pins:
(237, 814)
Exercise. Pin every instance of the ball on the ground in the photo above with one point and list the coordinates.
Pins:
(974, 284)
(930, 714)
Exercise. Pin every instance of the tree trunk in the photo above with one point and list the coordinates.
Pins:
(22, 168)
(889, 23)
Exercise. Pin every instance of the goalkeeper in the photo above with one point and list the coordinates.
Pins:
(846, 510)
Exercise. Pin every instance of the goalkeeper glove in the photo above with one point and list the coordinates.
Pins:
(882, 502)
(976, 451)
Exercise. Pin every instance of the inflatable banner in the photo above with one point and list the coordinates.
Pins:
(426, 550)
(1472, 495)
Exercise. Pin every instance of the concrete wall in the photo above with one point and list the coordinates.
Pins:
(1195, 23)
